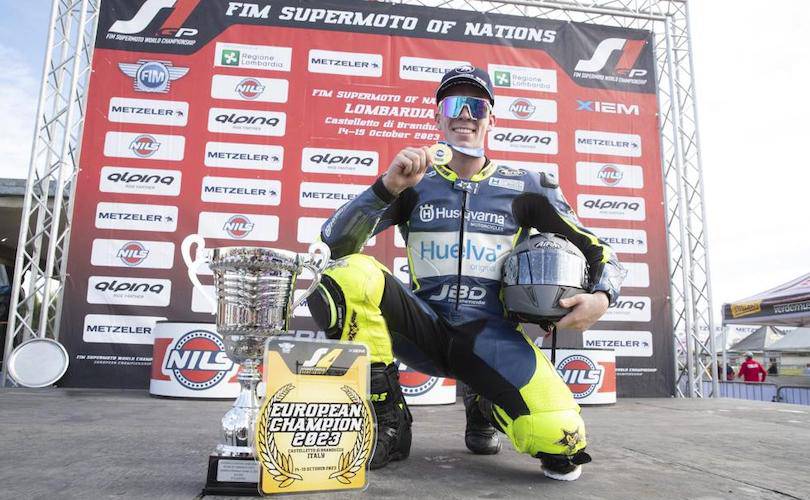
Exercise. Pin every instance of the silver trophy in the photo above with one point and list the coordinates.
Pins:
(254, 288)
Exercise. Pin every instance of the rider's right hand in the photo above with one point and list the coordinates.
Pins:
(407, 169)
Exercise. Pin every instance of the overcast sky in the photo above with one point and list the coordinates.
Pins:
(752, 74)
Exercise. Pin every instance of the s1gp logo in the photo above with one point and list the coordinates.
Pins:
(172, 27)
(152, 76)
(144, 146)
(630, 52)
(238, 226)
(466, 293)
(322, 358)
(198, 360)
(132, 253)
(581, 375)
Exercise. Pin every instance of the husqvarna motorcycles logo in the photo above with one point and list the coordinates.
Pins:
(427, 213)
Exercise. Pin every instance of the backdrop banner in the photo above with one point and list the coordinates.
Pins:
(250, 123)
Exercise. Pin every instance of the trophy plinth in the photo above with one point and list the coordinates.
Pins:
(254, 288)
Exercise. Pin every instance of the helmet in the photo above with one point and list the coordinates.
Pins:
(538, 273)
(749, 354)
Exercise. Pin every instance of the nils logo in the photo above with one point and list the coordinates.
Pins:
(581, 374)
(249, 88)
(144, 146)
(198, 360)
(132, 253)
(415, 383)
(522, 108)
(610, 175)
(238, 226)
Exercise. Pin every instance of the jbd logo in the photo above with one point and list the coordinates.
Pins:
(238, 226)
(132, 253)
(144, 146)
(198, 360)
(249, 88)
(581, 374)
(427, 213)
(152, 76)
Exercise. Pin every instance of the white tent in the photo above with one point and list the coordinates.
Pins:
(796, 341)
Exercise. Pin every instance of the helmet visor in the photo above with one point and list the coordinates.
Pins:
(452, 106)
(546, 267)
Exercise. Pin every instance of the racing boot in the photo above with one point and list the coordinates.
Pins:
(393, 416)
(480, 436)
(563, 467)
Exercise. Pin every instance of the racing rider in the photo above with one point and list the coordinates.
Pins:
(460, 221)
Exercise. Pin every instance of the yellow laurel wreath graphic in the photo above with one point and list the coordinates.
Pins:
(351, 462)
(278, 465)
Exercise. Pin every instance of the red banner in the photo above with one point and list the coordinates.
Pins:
(250, 123)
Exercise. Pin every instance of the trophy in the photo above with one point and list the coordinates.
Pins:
(254, 289)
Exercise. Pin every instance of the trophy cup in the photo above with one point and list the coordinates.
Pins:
(254, 298)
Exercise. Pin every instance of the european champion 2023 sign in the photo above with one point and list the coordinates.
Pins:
(251, 122)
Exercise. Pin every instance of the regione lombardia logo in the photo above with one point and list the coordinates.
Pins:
(198, 360)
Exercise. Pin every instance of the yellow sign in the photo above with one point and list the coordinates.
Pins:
(745, 308)
(315, 429)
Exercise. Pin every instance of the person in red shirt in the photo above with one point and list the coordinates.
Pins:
(751, 369)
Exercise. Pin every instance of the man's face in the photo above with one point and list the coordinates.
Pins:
(464, 130)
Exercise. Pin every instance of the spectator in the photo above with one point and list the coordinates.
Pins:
(751, 369)
(773, 369)
(729, 373)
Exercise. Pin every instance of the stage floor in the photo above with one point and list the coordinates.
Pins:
(58, 443)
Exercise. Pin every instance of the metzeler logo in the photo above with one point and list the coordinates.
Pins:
(581, 374)
(148, 111)
(252, 156)
(198, 360)
(171, 27)
(132, 253)
(327, 195)
(238, 190)
(144, 146)
(613, 108)
(608, 143)
(430, 70)
(630, 53)
(238, 226)
(345, 63)
(119, 329)
(633, 343)
(152, 76)
(137, 217)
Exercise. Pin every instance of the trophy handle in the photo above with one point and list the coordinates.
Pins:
(316, 261)
(194, 264)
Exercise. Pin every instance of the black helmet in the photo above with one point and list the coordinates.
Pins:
(538, 273)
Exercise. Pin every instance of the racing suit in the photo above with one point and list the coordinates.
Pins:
(453, 323)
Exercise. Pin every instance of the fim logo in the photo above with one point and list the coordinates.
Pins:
(503, 79)
(132, 253)
(198, 360)
(152, 76)
(238, 226)
(249, 88)
(144, 146)
(581, 375)
(230, 57)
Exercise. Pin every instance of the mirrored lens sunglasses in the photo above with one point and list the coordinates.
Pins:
(451, 106)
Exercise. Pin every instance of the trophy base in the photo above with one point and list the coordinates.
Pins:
(232, 476)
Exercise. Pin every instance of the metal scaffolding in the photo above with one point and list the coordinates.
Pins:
(39, 276)
(39, 268)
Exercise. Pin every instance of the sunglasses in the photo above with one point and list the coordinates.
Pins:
(478, 108)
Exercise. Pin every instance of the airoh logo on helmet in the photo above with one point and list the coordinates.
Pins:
(464, 68)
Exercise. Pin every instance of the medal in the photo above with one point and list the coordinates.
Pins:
(442, 154)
